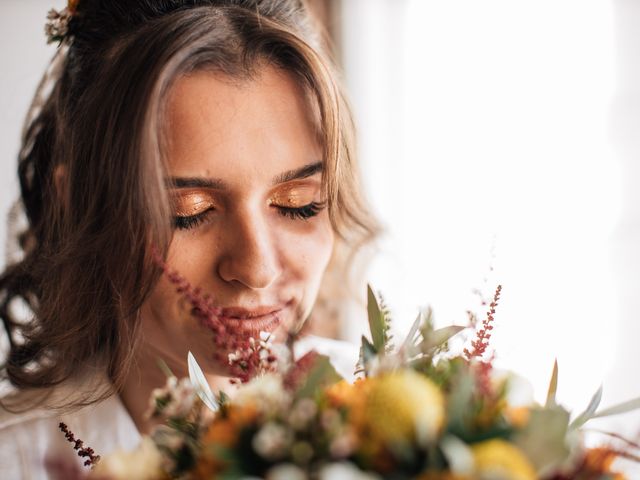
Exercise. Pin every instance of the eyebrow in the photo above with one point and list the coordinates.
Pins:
(298, 173)
(218, 184)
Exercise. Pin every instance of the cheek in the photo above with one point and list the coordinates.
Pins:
(309, 253)
(165, 303)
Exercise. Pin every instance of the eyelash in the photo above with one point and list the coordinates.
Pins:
(300, 213)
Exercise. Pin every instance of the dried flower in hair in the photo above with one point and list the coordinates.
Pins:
(57, 27)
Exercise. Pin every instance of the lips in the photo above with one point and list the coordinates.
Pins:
(245, 313)
(252, 321)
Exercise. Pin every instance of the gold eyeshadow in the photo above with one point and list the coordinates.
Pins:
(294, 195)
(192, 202)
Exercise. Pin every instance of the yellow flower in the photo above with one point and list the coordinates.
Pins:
(405, 406)
(143, 463)
(500, 460)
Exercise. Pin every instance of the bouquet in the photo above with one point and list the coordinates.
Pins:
(418, 410)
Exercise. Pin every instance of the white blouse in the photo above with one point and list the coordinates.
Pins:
(30, 439)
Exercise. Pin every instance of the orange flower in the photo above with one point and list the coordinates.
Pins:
(223, 432)
(340, 394)
(518, 416)
(440, 476)
(600, 459)
(224, 429)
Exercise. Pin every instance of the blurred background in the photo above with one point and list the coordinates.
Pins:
(498, 142)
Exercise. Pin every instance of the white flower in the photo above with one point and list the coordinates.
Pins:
(272, 441)
(265, 336)
(143, 463)
(176, 398)
(265, 392)
(343, 444)
(344, 471)
(182, 399)
(286, 471)
(283, 354)
(302, 413)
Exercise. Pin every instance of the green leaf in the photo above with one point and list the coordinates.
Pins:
(553, 386)
(623, 407)
(411, 339)
(376, 320)
(223, 398)
(165, 368)
(321, 375)
(460, 399)
(367, 353)
(589, 411)
(199, 382)
(544, 438)
(440, 337)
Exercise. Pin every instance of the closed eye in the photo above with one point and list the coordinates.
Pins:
(191, 221)
(303, 213)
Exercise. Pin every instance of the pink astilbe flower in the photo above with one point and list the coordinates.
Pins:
(246, 356)
(480, 344)
(479, 347)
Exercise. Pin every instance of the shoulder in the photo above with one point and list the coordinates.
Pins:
(31, 438)
(343, 355)
(26, 438)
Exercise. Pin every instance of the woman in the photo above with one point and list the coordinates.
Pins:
(211, 134)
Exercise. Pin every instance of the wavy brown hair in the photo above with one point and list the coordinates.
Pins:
(92, 173)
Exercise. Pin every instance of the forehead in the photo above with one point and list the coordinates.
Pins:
(220, 125)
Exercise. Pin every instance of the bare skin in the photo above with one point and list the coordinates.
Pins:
(252, 227)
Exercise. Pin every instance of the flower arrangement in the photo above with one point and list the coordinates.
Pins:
(418, 411)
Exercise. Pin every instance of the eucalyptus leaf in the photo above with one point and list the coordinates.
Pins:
(544, 438)
(589, 411)
(439, 337)
(460, 399)
(410, 339)
(376, 320)
(553, 386)
(623, 407)
(200, 383)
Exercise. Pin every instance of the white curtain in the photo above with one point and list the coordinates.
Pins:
(499, 145)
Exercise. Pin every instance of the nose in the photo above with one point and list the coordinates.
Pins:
(250, 257)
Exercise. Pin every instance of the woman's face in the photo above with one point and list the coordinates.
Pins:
(251, 227)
